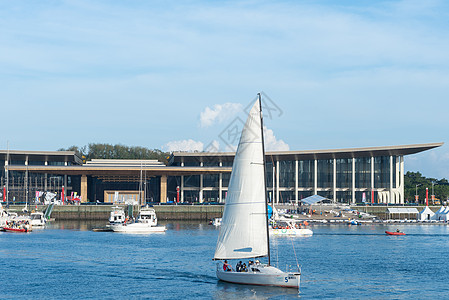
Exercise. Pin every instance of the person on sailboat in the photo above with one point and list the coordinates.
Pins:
(226, 266)
(238, 267)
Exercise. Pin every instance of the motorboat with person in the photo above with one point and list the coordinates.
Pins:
(397, 232)
(244, 232)
(290, 228)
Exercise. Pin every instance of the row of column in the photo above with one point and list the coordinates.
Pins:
(394, 194)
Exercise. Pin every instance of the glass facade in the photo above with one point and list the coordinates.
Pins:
(325, 173)
(363, 172)
(344, 172)
(344, 175)
(287, 173)
(306, 173)
(382, 172)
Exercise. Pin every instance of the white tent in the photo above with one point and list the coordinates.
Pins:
(403, 212)
(444, 216)
(426, 215)
(439, 215)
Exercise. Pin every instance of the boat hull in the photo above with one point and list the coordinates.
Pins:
(394, 233)
(15, 229)
(292, 231)
(137, 228)
(268, 276)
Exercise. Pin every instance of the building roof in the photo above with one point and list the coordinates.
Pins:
(310, 154)
(402, 210)
(49, 156)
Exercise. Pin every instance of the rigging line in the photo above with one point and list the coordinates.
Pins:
(294, 251)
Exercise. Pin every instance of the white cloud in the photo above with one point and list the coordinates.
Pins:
(432, 163)
(219, 113)
(272, 143)
(183, 145)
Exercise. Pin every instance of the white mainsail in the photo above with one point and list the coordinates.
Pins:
(243, 233)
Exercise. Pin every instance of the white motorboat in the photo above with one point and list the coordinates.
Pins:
(145, 223)
(290, 228)
(216, 221)
(3, 216)
(244, 230)
(117, 216)
(37, 219)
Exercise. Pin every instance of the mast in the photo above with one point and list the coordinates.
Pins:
(264, 178)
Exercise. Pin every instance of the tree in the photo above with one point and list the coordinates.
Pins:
(107, 151)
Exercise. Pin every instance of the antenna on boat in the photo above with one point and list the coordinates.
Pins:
(264, 178)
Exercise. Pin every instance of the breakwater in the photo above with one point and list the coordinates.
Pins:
(181, 212)
(101, 212)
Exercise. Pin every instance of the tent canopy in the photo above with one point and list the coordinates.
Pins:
(402, 210)
(313, 199)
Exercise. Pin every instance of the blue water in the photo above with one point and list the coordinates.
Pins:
(68, 261)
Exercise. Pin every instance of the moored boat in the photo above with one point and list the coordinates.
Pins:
(37, 219)
(145, 223)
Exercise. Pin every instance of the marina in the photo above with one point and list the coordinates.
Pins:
(338, 261)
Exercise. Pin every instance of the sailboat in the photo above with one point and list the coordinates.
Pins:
(244, 230)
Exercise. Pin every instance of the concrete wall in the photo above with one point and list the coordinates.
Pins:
(101, 212)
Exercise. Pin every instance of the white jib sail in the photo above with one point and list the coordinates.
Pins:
(243, 230)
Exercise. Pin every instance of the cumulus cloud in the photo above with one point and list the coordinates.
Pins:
(219, 113)
(183, 145)
(272, 143)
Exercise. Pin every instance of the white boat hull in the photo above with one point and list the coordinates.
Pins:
(292, 231)
(137, 228)
(268, 276)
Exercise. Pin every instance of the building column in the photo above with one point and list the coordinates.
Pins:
(26, 180)
(163, 198)
(353, 181)
(45, 178)
(277, 181)
(401, 158)
(334, 181)
(200, 196)
(391, 181)
(296, 182)
(220, 185)
(83, 188)
(182, 185)
(315, 177)
(372, 179)
(182, 188)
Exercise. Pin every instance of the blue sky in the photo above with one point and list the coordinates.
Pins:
(175, 74)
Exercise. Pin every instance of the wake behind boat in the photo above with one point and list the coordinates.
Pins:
(244, 230)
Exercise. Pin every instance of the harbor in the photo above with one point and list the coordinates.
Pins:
(334, 263)
(321, 213)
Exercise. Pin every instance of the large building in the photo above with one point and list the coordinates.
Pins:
(374, 174)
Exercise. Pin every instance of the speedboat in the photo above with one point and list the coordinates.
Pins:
(17, 225)
(37, 219)
(145, 223)
(290, 227)
(394, 233)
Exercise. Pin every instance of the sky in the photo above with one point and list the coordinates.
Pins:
(176, 75)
